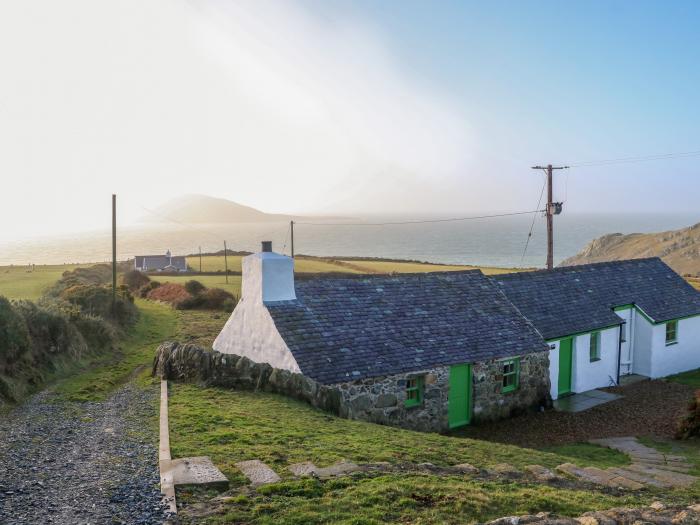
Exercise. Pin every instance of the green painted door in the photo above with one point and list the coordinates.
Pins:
(459, 411)
(565, 362)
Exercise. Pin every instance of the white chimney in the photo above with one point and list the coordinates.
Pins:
(268, 276)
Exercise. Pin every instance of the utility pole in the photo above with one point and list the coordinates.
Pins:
(553, 208)
(114, 252)
(200, 259)
(291, 227)
(226, 261)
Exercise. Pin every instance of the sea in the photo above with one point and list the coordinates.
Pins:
(497, 241)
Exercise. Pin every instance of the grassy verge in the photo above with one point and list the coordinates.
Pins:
(21, 282)
(231, 426)
(156, 323)
(690, 378)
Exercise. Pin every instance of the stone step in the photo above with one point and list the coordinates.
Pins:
(540, 473)
(677, 479)
(305, 468)
(675, 467)
(640, 478)
(257, 472)
(342, 468)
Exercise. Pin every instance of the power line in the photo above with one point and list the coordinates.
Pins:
(646, 158)
(417, 221)
(532, 226)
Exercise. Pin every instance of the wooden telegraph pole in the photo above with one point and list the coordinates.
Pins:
(200, 259)
(226, 261)
(553, 208)
(114, 252)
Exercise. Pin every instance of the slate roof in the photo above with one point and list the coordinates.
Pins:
(159, 262)
(573, 299)
(342, 329)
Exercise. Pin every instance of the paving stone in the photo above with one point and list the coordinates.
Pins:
(541, 473)
(621, 481)
(640, 478)
(197, 471)
(341, 468)
(505, 469)
(305, 468)
(258, 472)
(674, 478)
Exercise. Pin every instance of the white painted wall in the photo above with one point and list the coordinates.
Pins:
(643, 336)
(251, 331)
(554, 369)
(587, 375)
(679, 357)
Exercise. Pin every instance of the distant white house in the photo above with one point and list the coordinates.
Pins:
(160, 263)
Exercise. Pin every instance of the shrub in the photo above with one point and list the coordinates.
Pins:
(134, 280)
(689, 426)
(211, 299)
(170, 293)
(97, 301)
(194, 287)
(97, 275)
(143, 293)
(14, 335)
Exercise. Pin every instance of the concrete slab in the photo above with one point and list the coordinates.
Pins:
(677, 479)
(540, 473)
(584, 401)
(640, 478)
(305, 468)
(342, 468)
(197, 471)
(626, 483)
(257, 472)
(632, 378)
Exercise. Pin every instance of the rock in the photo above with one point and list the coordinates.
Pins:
(386, 400)
(305, 468)
(467, 468)
(657, 505)
(540, 473)
(257, 472)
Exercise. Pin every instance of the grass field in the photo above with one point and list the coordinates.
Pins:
(19, 282)
(231, 426)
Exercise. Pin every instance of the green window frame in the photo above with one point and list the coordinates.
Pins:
(414, 391)
(511, 375)
(671, 332)
(594, 347)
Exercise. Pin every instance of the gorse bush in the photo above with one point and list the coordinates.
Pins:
(194, 287)
(135, 280)
(169, 293)
(14, 335)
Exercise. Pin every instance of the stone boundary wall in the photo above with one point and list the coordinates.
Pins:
(190, 363)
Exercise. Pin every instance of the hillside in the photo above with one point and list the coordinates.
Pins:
(680, 249)
(202, 209)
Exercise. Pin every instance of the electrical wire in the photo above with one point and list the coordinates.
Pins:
(646, 158)
(427, 221)
(532, 226)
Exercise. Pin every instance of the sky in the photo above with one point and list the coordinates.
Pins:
(336, 107)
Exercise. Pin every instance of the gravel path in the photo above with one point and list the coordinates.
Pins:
(647, 408)
(80, 463)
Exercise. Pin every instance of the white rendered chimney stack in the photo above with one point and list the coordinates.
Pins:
(268, 276)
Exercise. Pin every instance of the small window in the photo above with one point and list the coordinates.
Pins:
(595, 346)
(414, 391)
(623, 332)
(511, 371)
(671, 332)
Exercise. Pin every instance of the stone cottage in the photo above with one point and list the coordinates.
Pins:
(425, 351)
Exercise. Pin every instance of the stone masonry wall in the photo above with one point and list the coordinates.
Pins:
(382, 400)
(379, 400)
(490, 403)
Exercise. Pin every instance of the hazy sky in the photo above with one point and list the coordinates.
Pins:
(342, 107)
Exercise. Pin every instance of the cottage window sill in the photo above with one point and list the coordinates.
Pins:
(416, 404)
(595, 359)
(671, 343)
(508, 390)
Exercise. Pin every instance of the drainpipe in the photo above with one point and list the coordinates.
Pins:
(619, 352)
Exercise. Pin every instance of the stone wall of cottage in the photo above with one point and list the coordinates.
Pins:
(382, 400)
(379, 400)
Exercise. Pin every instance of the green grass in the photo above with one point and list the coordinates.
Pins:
(19, 282)
(690, 378)
(231, 426)
(587, 454)
(199, 327)
(156, 324)
(210, 281)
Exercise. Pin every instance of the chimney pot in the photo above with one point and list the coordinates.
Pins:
(267, 246)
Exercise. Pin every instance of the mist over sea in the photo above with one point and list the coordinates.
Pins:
(485, 242)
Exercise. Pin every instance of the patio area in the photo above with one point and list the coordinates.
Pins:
(584, 401)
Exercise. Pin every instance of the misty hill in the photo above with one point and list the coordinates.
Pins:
(680, 249)
(202, 209)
